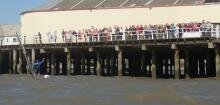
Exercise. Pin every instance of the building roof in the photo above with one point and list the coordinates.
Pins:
(9, 30)
(60, 5)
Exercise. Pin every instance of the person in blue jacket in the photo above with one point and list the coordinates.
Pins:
(38, 66)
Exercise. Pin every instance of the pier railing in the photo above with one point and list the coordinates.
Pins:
(150, 34)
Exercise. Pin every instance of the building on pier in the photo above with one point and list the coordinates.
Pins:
(152, 54)
(8, 34)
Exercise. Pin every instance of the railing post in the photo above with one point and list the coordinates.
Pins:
(98, 37)
(167, 36)
(137, 35)
(212, 31)
(152, 34)
(76, 38)
(92, 37)
(200, 32)
(110, 36)
(182, 32)
(217, 31)
(123, 36)
(85, 37)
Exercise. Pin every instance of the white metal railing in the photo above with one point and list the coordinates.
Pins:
(125, 36)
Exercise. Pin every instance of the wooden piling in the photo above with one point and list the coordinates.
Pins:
(1, 61)
(20, 60)
(120, 72)
(177, 64)
(217, 61)
(83, 63)
(187, 66)
(68, 62)
(98, 64)
(10, 63)
(153, 65)
(52, 64)
(14, 61)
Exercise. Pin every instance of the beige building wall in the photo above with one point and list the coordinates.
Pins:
(80, 19)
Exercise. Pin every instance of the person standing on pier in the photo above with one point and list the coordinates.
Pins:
(39, 36)
(38, 67)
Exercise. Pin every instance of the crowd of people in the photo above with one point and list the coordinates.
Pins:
(132, 32)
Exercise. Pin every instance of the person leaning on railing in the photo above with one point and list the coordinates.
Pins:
(139, 32)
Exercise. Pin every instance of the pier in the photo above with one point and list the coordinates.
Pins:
(156, 58)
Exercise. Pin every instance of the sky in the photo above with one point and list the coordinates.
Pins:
(10, 9)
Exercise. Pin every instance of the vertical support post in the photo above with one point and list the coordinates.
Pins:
(143, 59)
(68, 62)
(14, 61)
(32, 56)
(120, 72)
(217, 61)
(143, 62)
(86, 65)
(108, 66)
(60, 68)
(10, 62)
(89, 65)
(98, 64)
(48, 66)
(217, 31)
(52, 64)
(20, 62)
(83, 63)
(153, 65)
(177, 65)
(187, 67)
(105, 66)
(201, 67)
(208, 65)
(27, 68)
(72, 66)
(112, 65)
(1, 65)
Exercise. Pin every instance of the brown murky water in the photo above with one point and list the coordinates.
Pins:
(92, 90)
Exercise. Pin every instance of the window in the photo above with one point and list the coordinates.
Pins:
(14, 39)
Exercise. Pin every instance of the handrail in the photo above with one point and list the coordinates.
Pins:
(148, 34)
